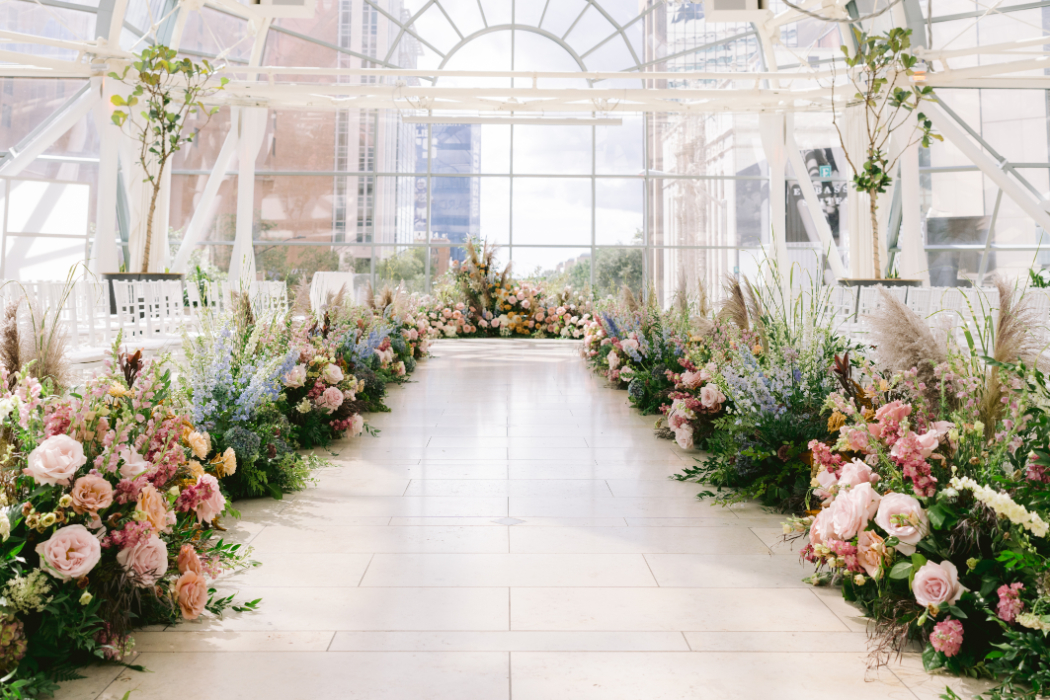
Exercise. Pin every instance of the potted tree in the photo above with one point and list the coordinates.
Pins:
(168, 91)
(880, 69)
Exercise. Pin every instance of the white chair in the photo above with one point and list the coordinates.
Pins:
(843, 304)
(919, 300)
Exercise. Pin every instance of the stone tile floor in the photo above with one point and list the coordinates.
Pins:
(513, 533)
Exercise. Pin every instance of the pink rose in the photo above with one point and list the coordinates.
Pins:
(192, 592)
(684, 437)
(90, 494)
(71, 552)
(212, 506)
(895, 412)
(828, 484)
(331, 399)
(928, 442)
(856, 473)
(146, 562)
(55, 460)
(525, 304)
(937, 584)
(188, 560)
(296, 377)
(851, 511)
(630, 344)
(902, 516)
(133, 464)
(357, 425)
(711, 396)
(614, 360)
(332, 374)
(691, 380)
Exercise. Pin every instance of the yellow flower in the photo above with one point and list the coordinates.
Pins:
(835, 421)
(195, 468)
(884, 385)
(200, 443)
(118, 391)
(757, 350)
(226, 464)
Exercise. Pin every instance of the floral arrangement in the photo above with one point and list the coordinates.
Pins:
(105, 522)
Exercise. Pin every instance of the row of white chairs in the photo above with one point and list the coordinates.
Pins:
(152, 315)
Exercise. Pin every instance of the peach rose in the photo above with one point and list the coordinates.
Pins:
(871, 553)
(71, 552)
(200, 443)
(191, 590)
(937, 584)
(90, 494)
(189, 561)
(133, 464)
(821, 529)
(692, 380)
(228, 465)
(851, 511)
(902, 516)
(55, 460)
(146, 562)
(155, 506)
(296, 377)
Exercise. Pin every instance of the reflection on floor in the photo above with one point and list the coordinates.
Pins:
(513, 533)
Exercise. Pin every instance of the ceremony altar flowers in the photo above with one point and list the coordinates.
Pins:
(105, 522)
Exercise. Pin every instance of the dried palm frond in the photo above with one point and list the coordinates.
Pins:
(1013, 342)
(301, 305)
(10, 338)
(734, 307)
(903, 340)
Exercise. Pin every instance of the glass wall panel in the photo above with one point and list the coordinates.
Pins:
(619, 211)
(550, 263)
(618, 150)
(544, 149)
(551, 211)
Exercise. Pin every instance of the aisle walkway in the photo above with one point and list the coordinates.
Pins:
(512, 534)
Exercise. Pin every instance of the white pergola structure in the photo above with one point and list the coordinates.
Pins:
(440, 95)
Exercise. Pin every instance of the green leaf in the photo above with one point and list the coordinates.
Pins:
(931, 658)
(957, 612)
(901, 570)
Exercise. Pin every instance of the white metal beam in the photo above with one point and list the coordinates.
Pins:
(816, 212)
(912, 262)
(19, 157)
(202, 213)
(771, 130)
(104, 257)
(947, 127)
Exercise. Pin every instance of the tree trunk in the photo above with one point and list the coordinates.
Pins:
(873, 197)
(149, 227)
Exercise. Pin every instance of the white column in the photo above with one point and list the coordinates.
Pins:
(771, 129)
(912, 262)
(104, 256)
(242, 264)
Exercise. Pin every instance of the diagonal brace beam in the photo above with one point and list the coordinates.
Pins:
(44, 136)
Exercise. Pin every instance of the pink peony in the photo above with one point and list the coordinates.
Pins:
(192, 592)
(821, 530)
(188, 560)
(296, 377)
(937, 584)
(146, 562)
(70, 553)
(902, 516)
(133, 463)
(947, 637)
(91, 494)
(331, 399)
(332, 374)
(55, 460)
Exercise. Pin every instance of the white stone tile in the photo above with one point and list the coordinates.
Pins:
(319, 609)
(507, 569)
(504, 521)
(692, 676)
(728, 571)
(327, 505)
(315, 676)
(683, 540)
(96, 678)
(298, 568)
(670, 609)
(516, 487)
(609, 506)
(181, 641)
(509, 641)
(332, 537)
(794, 642)
(652, 488)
